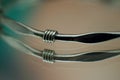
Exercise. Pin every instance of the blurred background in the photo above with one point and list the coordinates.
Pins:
(12, 65)
(60, 15)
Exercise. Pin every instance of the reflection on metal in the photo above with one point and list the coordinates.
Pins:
(50, 56)
(49, 35)
(52, 35)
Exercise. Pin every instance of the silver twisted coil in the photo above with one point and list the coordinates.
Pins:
(49, 36)
(48, 56)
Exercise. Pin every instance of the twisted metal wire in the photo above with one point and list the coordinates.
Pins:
(49, 36)
(52, 35)
(48, 56)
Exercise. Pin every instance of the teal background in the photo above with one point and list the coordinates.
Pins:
(11, 65)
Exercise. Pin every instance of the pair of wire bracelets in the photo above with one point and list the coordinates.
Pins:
(50, 36)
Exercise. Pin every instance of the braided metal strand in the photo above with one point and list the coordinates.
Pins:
(49, 36)
(48, 56)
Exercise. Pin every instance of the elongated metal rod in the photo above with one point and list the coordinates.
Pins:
(52, 35)
(50, 56)
(88, 56)
(94, 37)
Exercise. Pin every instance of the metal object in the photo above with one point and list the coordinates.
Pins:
(49, 35)
(50, 56)
(52, 35)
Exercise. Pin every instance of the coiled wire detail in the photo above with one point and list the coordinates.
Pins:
(49, 36)
(48, 55)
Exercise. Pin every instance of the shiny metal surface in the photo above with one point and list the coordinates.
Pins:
(50, 56)
(52, 35)
(88, 56)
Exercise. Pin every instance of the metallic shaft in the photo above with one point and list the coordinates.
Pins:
(50, 56)
(52, 35)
